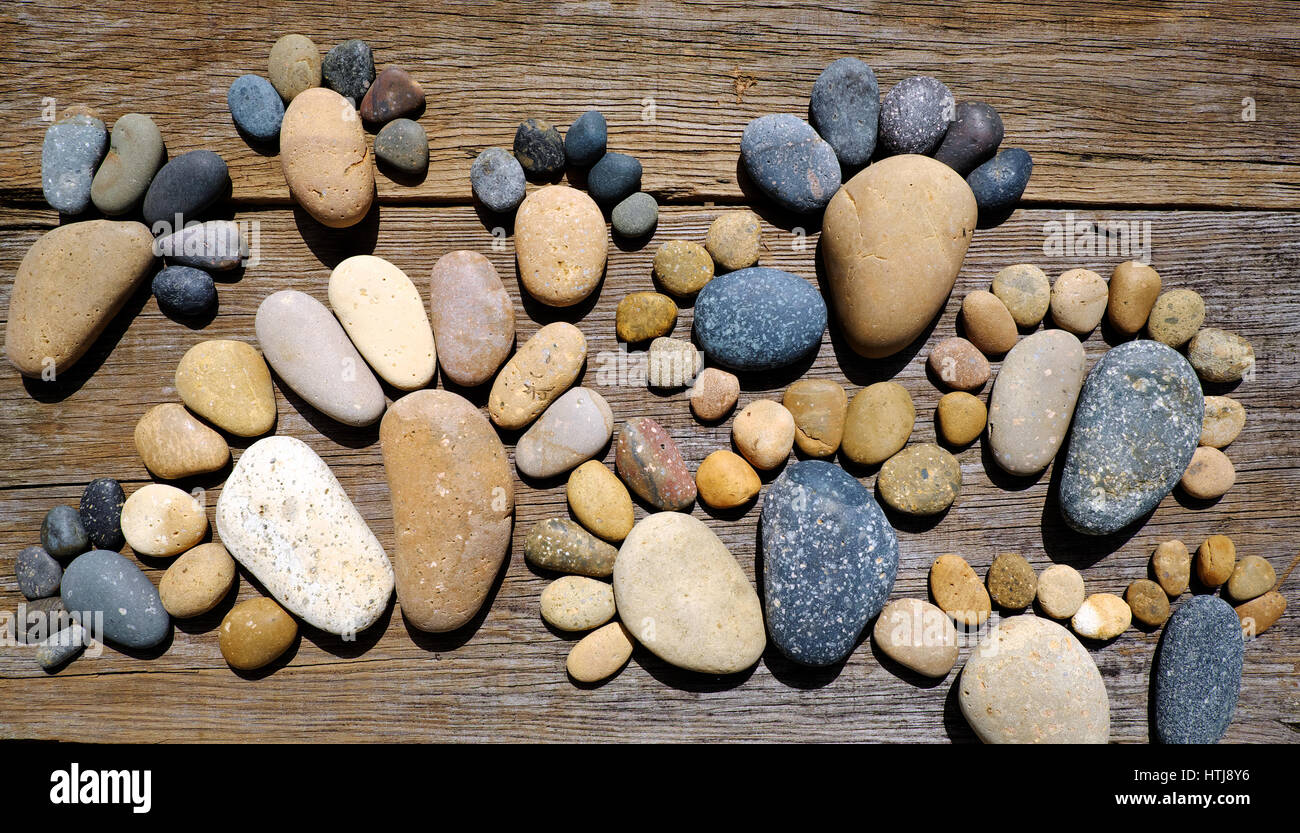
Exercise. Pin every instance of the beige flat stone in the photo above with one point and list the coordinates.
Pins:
(228, 384)
(600, 654)
(383, 313)
(537, 374)
(162, 520)
(577, 603)
(173, 444)
(600, 501)
(197, 581)
(917, 635)
(560, 242)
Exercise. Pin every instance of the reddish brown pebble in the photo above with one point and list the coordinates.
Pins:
(1148, 601)
(393, 94)
(1215, 560)
(959, 364)
(1258, 615)
(988, 322)
(714, 394)
(647, 459)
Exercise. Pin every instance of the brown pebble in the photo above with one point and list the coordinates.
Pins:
(1172, 565)
(1224, 419)
(988, 323)
(961, 418)
(734, 239)
(1134, 288)
(714, 394)
(726, 480)
(642, 316)
(819, 407)
(958, 591)
(1252, 577)
(600, 501)
(1220, 356)
(1258, 615)
(197, 581)
(1209, 475)
(174, 444)
(393, 94)
(1012, 581)
(600, 654)
(959, 364)
(879, 421)
(1176, 316)
(255, 633)
(922, 480)
(683, 267)
(1148, 601)
(1215, 560)
(764, 433)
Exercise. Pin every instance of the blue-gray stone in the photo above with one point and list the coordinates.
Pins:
(107, 584)
(1135, 428)
(584, 142)
(62, 533)
(187, 185)
(972, 138)
(829, 561)
(999, 182)
(914, 115)
(101, 513)
(790, 163)
(539, 148)
(37, 572)
(73, 148)
(845, 110)
(349, 69)
(61, 647)
(184, 292)
(498, 180)
(614, 178)
(403, 144)
(1198, 672)
(256, 107)
(759, 318)
(635, 216)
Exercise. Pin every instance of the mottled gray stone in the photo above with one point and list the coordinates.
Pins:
(914, 115)
(999, 182)
(539, 148)
(61, 647)
(1198, 672)
(759, 319)
(62, 533)
(635, 216)
(403, 144)
(73, 147)
(256, 107)
(215, 246)
(101, 513)
(37, 572)
(794, 166)
(614, 178)
(349, 69)
(498, 180)
(107, 583)
(845, 110)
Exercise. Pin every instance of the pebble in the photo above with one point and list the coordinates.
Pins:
(1060, 591)
(819, 408)
(921, 480)
(560, 242)
(1102, 616)
(255, 633)
(684, 596)
(600, 501)
(539, 148)
(228, 384)
(1133, 290)
(71, 152)
(759, 319)
(162, 520)
(647, 460)
(472, 316)
(573, 430)
(183, 189)
(294, 65)
(1135, 428)
(672, 363)
(1209, 475)
(1224, 419)
(1031, 681)
(1258, 615)
(790, 163)
(215, 246)
(958, 591)
(560, 544)
(38, 619)
(1216, 558)
(918, 636)
(383, 315)
(893, 240)
(1034, 399)
(845, 110)
(135, 153)
(999, 182)
(988, 323)
(725, 480)
(1078, 302)
(734, 240)
(972, 138)
(763, 433)
(1012, 582)
(1172, 566)
(497, 180)
(1198, 672)
(635, 216)
(55, 314)
(326, 158)
(829, 561)
(1252, 577)
(959, 364)
(961, 418)
(1176, 316)
(537, 374)
(197, 581)
(577, 603)
(173, 444)
(256, 108)
(393, 94)
(600, 654)
(110, 585)
(1025, 291)
(642, 316)
(37, 572)
(584, 141)
(878, 423)
(403, 144)
(62, 533)
(1220, 356)
(184, 292)
(614, 178)
(682, 267)
(61, 647)
(915, 115)
(714, 394)
(1148, 601)
(349, 69)
(101, 513)
(284, 516)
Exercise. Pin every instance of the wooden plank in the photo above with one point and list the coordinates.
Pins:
(1121, 103)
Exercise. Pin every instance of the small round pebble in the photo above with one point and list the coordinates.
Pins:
(577, 603)
(734, 239)
(614, 178)
(959, 364)
(1172, 565)
(256, 633)
(764, 433)
(256, 107)
(819, 407)
(1079, 301)
(1102, 616)
(539, 148)
(672, 363)
(403, 144)
(349, 69)
(1220, 356)
(1210, 474)
(1176, 316)
(1133, 290)
(917, 635)
(584, 141)
(999, 182)
(1148, 601)
(922, 480)
(196, 582)
(878, 424)
(600, 654)
(600, 501)
(635, 216)
(1060, 591)
(37, 572)
(958, 591)
(497, 180)
(1026, 292)
(972, 138)
(914, 115)
(295, 65)
(1012, 581)
(725, 480)
(641, 316)
(162, 520)
(988, 323)
(682, 267)
(1215, 560)
(1224, 419)
(714, 394)
(961, 418)
(184, 291)
(63, 535)
(101, 513)
(1252, 577)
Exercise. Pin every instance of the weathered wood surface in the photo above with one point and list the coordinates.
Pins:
(1128, 107)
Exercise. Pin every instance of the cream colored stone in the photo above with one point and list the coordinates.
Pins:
(162, 520)
(1079, 301)
(1102, 616)
(600, 654)
(1060, 591)
(577, 603)
(560, 242)
(173, 444)
(537, 374)
(764, 433)
(383, 314)
(1224, 419)
(917, 635)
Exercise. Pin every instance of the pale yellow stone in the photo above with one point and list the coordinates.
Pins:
(326, 158)
(162, 520)
(537, 374)
(383, 314)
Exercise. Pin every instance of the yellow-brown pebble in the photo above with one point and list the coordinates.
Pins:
(294, 66)
(600, 654)
(988, 323)
(1012, 581)
(1133, 290)
(325, 156)
(173, 444)
(600, 501)
(1258, 615)
(1025, 290)
(1215, 560)
(228, 384)
(1209, 475)
(1224, 419)
(726, 480)
(683, 267)
(1176, 317)
(256, 633)
(560, 243)
(1102, 616)
(764, 433)
(961, 417)
(1148, 601)
(734, 239)
(818, 407)
(577, 603)
(537, 374)
(162, 520)
(958, 591)
(197, 581)
(1079, 301)
(642, 316)
(879, 421)
(1172, 565)
(1252, 577)
(714, 394)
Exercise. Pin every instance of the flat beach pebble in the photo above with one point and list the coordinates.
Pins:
(560, 243)
(726, 480)
(61, 647)
(227, 383)
(878, 423)
(404, 145)
(600, 654)
(959, 364)
(256, 108)
(72, 150)
(1258, 615)
(1198, 672)
(682, 267)
(642, 316)
(1132, 292)
(62, 533)
(174, 444)
(1176, 316)
(999, 182)
(215, 246)
(197, 581)
(915, 115)
(1172, 566)
(672, 363)
(1224, 419)
(1252, 576)
(1079, 301)
(101, 513)
(109, 584)
(1220, 356)
(1209, 475)
(326, 158)
(37, 572)
(759, 319)
(734, 240)
(383, 315)
(135, 153)
(1012, 582)
(714, 394)
(394, 93)
(763, 432)
(819, 408)
(349, 69)
(472, 316)
(584, 141)
(922, 480)
(790, 163)
(972, 138)
(1033, 400)
(1148, 601)
(294, 65)
(538, 373)
(649, 462)
(162, 520)
(1026, 292)
(958, 591)
(575, 428)
(918, 636)
(1060, 591)
(187, 186)
(497, 180)
(255, 633)
(600, 501)
(1216, 558)
(577, 603)
(845, 110)
(184, 291)
(635, 216)
(40, 618)
(960, 418)
(988, 323)
(539, 148)
(561, 545)
(615, 177)
(1102, 616)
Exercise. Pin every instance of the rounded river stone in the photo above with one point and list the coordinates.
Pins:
(107, 584)
(999, 182)
(403, 144)
(70, 153)
(497, 180)
(648, 461)
(294, 65)
(635, 216)
(1033, 400)
(790, 163)
(216, 246)
(914, 115)
(256, 108)
(759, 319)
(1198, 672)
(383, 314)
(584, 142)
(393, 94)
(571, 431)
(539, 148)
(101, 513)
(613, 178)
(845, 110)
(972, 138)
(184, 292)
(537, 374)
(349, 69)
(472, 316)
(560, 244)
(326, 158)
(37, 572)
(186, 186)
(922, 480)
(62, 533)
(560, 544)
(135, 153)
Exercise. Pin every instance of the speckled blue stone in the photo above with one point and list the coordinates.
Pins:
(256, 107)
(614, 178)
(106, 582)
(790, 163)
(829, 561)
(498, 180)
(999, 182)
(101, 513)
(71, 152)
(584, 142)
(184, 292)
(1135, 428)
(1198, 672)
(845, 110)
(759, 319)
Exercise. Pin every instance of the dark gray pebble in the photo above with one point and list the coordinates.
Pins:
(790, 163)
(101, 513)
(759, 319)
(256, 107)
(498, 180)
(403, 144)
(184, 292)
(62, 533)
(584, 141)
(1198, 672)
(635, 216)
(108, 585)
(999, 182)
(614, 178)
(349, 69)
(845, 110)
(539, 148)
(72, 150)
(187, 185)
(972, 138)
(39, 618)
(37, 572)
(914, 115)
(61, 648)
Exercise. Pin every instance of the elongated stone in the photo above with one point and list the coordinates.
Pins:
(647, 459)
(560, 544)
(537, 374)
(1198, 672)
(135, 154)
(106, 587)
(472, 316)
(383, 314)
(72, 149)
(216, 246)
(1033, 400)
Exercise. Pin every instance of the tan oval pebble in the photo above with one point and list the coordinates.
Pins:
(922, 480)
(1216, 558)
(600, 654)
(988, 323)
(918, 636)
(734, 239)
(228, 384)
(714, 394)
(673, 363)
(383, 313)
(472, 316)
(1132, 293)
(1220, 356)
(1148, 601)
(726, 480)
(1026, 291)
(326, 158)
(642, 316)
(961, 418)
(255, 633)
(162, 520)
(173, 444)
(682, 267)
(197, 581)
(959, 364)
(958, 591)
(1172, 565)
(577, 603)
(1060, 591)
(1209, 475)
(1102, 616)
(1012, 581)
(1258, 615)
(560, 242)
(878, 423)
(1033, 400)
(1224, 419)
(764, 433)
(537, 374)
(295, 66)
(1176, 316)
(819, 407)
(1252, 577)
(1079, 301)
(600, 501)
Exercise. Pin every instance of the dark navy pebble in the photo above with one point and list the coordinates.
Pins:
(539, 148)
(830, 558)
(62, 533)
(403, 144)
(349, 69)
(256, 107)
(184, 292)
(37, 572)
(1198, 672)
(71, 152)
(635, 216)
(498, 180)
(101, 513)
(1136, 426)
(972, 138)
(759, 318)
(914, 115)
(845, 110)
(103, 582)
(60, 648)
(187, 185)
(999, 182)
(584, 141)
(790, 163)
(614, 178)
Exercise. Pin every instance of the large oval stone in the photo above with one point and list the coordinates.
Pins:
(560, 241)
(383, 314)
(759, 318)
(1135, 430)
(1033, 400)
(472, 315)
(453, 506)
(1198, 672)
(285, 517)
(829, 561)
(104, 586)
(893, 239)
(571, 431)
(326, 158)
